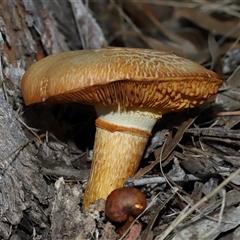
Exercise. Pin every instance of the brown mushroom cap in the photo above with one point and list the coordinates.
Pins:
(119, 76)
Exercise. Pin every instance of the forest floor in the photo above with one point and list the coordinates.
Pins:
(189, 171)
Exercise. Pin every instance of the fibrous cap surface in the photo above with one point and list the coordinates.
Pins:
(120, 76)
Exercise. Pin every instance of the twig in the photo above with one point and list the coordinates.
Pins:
(222, 206)
(214, 132)
(159, 180)
(17, 150)
(230, 113)
(30, 129)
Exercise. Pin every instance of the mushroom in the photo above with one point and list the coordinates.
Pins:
(123, 205)
(130, 90)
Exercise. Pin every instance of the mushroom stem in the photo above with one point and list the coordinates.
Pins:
(118, 150)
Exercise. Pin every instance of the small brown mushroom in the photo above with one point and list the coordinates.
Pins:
(130, 89)
(123, 203)
(122, 207)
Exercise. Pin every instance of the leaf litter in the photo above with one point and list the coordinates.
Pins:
(198, 150)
